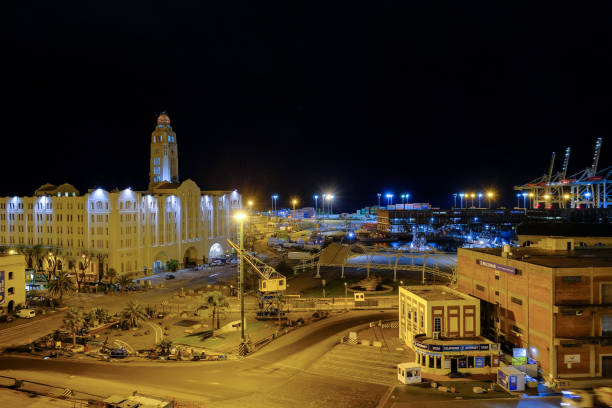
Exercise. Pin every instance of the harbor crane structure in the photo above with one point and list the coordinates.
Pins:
(270, 283)
(585, 189)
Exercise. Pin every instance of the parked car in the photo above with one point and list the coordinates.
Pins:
(170, 276)
(119, 353)
(26, 313)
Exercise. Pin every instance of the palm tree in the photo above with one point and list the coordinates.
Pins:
(280, 300)
(216, 301)
(111, 274)
(101, 314)
(73, 321)
(60, 285)
(134, 313)
(124, 281)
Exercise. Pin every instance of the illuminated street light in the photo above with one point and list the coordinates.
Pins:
(461, 195)
(389, 198)
(330, 197)
(490, 196)
(479, 198)
(294, 202)
(274, 198)
(403, 196)
(316, 197)
(524, 200)
(379, 195)
(455, 200)
(472, 196)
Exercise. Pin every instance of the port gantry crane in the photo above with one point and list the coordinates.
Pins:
(586, 188)
(270, 283)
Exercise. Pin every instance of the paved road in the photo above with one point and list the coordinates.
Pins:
(276, 376)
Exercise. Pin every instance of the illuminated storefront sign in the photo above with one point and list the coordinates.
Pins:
(497, 267)
(455, 347)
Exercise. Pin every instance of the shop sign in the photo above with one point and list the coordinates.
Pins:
(571, 358)
(479, 362)
(496, 266)
(455, 347)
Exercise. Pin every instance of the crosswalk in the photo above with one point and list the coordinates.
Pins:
(361, 363)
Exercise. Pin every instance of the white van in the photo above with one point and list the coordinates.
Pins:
(26, 313)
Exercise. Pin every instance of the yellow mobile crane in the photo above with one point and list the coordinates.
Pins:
(270, 283)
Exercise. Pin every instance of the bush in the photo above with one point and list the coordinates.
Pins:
(172, 265)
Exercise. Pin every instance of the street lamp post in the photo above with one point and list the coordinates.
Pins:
(455, 200)
(403, 196)
(324, 195)
(274, 197)
(479, 198)
(518, 200)
(316, 197)
(461, 195)
(489, 196)
(524, 200)
(241, 217)
(331, 204)
(346, 296)
(294, 202)
(378, 194)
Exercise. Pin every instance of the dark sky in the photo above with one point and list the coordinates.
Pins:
(303, 97)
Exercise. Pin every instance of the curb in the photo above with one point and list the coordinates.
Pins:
(385, 398)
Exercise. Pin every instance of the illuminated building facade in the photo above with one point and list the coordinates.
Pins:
(126, 230)
(552, 297)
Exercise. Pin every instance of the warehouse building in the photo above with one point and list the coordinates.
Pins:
(552, 297)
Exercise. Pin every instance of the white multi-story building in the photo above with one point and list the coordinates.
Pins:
(124, 229)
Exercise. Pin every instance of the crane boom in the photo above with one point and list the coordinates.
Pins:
(550, 169)
(565, 163)
(596, 154)
(264, 270)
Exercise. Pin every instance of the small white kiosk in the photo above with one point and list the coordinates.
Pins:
(511, 378)
(409, 373)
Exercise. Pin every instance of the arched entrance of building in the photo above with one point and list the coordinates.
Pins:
(159, 262)
(216, 251)
(191, 257)
(11, 306)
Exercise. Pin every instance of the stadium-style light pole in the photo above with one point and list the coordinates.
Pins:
(240, 217)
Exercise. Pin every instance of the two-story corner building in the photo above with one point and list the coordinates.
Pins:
(442, 326)
(553, 298)
(127, 230)
(12, 282)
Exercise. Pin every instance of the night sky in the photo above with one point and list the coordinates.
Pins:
(297, 98)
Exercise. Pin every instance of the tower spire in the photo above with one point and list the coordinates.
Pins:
(164, 153)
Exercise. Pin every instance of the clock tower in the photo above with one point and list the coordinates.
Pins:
(164, 153)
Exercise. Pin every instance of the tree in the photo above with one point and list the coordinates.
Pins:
(52, 258)
(134, 313)
(124, 281)
(100, 314)
(61, 285)
(164, 347)
(111, 274)
(84, 263)
(172, 265)
(280, 300)
(102, 257)
(73, 321)
(216, 301)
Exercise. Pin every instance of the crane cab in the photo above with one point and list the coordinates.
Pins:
(274, 284)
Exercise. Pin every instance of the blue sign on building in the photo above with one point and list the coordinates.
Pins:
(479, 362)
(1, 287)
